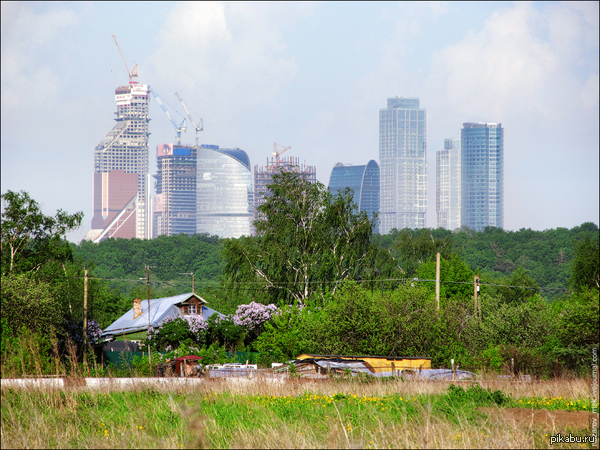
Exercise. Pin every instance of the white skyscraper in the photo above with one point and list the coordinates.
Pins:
(403, 164)
(448, 185)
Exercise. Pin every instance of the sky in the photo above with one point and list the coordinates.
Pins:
(312, 76)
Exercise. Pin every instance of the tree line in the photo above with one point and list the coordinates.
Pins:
(337, 287)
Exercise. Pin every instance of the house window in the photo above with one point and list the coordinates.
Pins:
(192, 309)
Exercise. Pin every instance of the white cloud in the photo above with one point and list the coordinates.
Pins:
(229, 55)
(26, 34)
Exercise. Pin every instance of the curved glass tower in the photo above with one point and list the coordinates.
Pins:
(363, 180)
(224, 192)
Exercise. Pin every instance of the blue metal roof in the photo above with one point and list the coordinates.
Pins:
(160, 309)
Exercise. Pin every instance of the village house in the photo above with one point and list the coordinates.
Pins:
(133, 325)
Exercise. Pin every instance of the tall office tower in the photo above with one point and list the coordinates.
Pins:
(175, 201)
(482, 161)
(263, 176)
(363, 180)
(125, 149)
(448, 184)
(403, 163)
(224, 192)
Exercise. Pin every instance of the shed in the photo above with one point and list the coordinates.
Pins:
(160, 309)
(377, 364)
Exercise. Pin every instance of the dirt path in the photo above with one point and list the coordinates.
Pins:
(534, 418)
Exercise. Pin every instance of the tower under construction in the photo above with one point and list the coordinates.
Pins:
(263, 176)
(121, 203)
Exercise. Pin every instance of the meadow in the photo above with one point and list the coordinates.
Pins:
(337, 413)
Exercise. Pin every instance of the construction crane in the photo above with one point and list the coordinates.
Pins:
(277, 152)
(132, 73)
(196, 127)
(179, 128)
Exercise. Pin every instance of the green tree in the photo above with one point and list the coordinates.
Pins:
(413, 247)
(307, 242)
(31, 240)
(585, 272)
(456, 278)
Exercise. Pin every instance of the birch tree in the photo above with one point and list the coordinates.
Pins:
(307, 242)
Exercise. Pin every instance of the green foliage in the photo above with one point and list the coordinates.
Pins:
(32, 241)
(526, 324)
(281, 339)
(307, 241)
(223, 331)
(477, 395)
(518, 287)
(453, 271)
(171, 334)
(30, 303)
(413, 247)
(586, 265)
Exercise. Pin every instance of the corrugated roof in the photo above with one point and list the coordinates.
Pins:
(160, 309)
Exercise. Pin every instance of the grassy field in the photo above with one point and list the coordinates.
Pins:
(332, 414)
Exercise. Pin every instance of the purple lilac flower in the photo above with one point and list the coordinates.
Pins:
(253, 315)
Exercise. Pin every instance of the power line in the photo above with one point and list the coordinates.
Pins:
(282, 284)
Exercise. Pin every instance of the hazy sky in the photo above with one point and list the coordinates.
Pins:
(313, 76)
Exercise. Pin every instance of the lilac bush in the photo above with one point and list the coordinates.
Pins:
(254, 315)
(175, 330)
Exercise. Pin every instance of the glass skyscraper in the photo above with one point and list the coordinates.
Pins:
(224, 192)
(448, 185)
(363, 180)
(403, 162)
(482, 161)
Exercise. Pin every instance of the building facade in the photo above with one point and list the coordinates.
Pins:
(403, 164)
(125, 148)
(364, 181)
(175, 201)
(482, 161)
(224, 192)
(448, 185)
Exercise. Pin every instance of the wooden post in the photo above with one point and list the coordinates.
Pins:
(393, 369)
(149, 351)
(437, 280)
(512, 366)
(475, 293)
(85, 306)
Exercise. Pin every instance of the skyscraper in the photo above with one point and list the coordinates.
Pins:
(224, 192)
(175, 202)
(482, 161)
(125, 148)
(363, 180)
(403, 163)
(448, 185)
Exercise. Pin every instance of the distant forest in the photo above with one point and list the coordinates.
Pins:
(495, 254)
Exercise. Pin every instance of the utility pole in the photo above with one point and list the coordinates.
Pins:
(476, 294)
(149, 350)
(192, 274)
(85, 306)
(437, 280)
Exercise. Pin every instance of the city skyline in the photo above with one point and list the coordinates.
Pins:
(312, 76)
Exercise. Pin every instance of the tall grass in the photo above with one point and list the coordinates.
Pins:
(267, 414)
